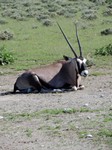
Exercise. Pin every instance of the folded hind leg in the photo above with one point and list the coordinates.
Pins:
(34, 82)
(15, 88)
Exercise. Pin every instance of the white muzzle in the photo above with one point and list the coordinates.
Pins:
(84, 73)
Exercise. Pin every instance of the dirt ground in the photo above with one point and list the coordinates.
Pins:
(80, 130)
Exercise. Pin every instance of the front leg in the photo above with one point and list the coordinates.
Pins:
(78, 85)
(78, 81)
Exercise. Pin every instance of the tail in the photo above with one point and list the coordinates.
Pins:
(7, 93)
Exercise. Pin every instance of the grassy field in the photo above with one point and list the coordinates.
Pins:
(67, 120)
(36, 44)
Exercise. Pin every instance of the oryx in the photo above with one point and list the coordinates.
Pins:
(63, 74)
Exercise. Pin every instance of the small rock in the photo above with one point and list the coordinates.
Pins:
(88, 117)
(86, 105)
(1, 117)
(67, 110)
(77, 127)
(101, 96)
(89, 136)
(100, 90)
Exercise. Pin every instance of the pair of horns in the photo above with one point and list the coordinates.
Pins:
(80, 49)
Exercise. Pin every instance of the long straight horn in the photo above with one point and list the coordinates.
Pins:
(67, 40)
(80, 48)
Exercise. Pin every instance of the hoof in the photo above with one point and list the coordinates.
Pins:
(57, 90)
(81, 87)
(74, 88)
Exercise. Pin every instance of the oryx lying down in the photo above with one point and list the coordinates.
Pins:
(64, 74)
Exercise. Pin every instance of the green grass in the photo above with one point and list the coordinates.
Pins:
(54, 123)
(28, 132)
(108, 118)
(43, 45)
(97, 74)
(33, 47)
(47, 112)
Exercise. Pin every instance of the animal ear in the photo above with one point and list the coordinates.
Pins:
(67, 40)
(78, 41)
(66, 57)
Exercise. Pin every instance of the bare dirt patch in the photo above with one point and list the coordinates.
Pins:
(80, 120)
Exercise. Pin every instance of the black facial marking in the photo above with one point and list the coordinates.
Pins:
(81, 66)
